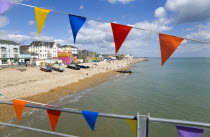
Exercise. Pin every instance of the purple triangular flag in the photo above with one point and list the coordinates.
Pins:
(4, 6)
(189, 131)
(90, 117)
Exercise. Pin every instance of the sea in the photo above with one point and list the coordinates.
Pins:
(178, 90)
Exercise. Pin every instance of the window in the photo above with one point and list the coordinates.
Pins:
(15, 50)
(40, 50)
(3, 55)
(16, 56)
(3, 49)
(4, 61)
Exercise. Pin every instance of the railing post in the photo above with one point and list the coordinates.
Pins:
(142, 125)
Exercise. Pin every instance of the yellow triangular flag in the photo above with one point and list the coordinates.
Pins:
(41, 15)
(133, 126)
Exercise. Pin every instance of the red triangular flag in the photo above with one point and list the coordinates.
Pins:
(19, 106)
(120, 33)
(168, 45)
(53, 117)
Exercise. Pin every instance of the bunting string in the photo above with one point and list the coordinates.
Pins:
(32, 102)
(109, 22)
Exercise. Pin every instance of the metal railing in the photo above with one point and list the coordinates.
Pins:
(37, 130)
(142, 120)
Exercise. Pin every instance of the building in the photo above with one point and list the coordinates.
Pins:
(73, 49)
(44, 49)
(111, 56)
(86, 55)
(9, 52)
(26, 55)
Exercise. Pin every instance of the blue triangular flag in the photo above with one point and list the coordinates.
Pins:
(90, 117)
(76, 24)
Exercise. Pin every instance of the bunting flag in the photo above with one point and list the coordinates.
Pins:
(41, 15)
(4, 6)
(120, 33)
(91, 118)
(53, 117)
(133, 126)
(189, 131)
(168, 45)
(76, 24)
(19, 106)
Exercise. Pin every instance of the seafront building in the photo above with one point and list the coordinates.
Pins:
(73, 49)
(26, 55)
(9, 52)
(12, 53)
(86, 55)
(45, 50)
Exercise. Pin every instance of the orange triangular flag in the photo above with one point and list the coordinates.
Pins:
(19, 106)
(120, 33)
(53, 117)
(168, 45)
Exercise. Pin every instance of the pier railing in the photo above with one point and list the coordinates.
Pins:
(142, 120)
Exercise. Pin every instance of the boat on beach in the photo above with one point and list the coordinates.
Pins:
(73, 66)
(46, 69)
(124, 71)
(58, 69)
(84, 67)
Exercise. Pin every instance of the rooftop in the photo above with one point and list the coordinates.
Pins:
(42, 43)
(8, 42)
(69, 46)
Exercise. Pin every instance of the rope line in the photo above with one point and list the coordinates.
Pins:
(108, 22)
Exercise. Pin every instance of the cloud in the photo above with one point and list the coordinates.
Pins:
(61, 41)
(81, 7)
(160, 12)
(13, 36)
(31, 22)
(189, 10)
(23, 39)
(97, 36)
(3, 21)
(190, 48)
(202, 33)
(120, 1)
(18, 38)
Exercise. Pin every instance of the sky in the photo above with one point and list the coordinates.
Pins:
(183, 18)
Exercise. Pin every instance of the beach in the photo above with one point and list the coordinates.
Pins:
(44, 87)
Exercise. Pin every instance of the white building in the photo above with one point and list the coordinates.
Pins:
(44, 49)
(71, 48)
(9, 52)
